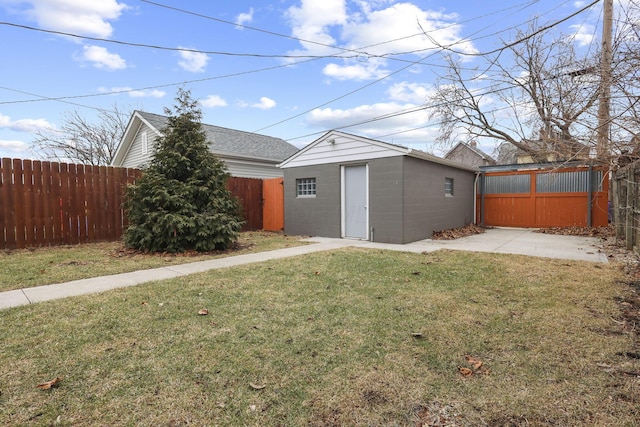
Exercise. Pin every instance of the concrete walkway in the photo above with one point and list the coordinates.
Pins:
(496, 240)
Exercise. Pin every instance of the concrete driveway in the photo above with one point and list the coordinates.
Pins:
(520, 241)
(527, 242)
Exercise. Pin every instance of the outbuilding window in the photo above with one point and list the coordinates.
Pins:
(306, 187)
(448, 187)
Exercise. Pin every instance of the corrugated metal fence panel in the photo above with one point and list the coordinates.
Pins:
(507, 184)
(557, 198)
(568, 182)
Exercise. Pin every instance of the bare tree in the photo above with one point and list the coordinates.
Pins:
(625, 100)
(80, 140)
(538, 95)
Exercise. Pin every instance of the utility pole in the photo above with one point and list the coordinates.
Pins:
(604, 147)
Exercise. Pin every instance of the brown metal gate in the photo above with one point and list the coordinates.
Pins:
(557, 197)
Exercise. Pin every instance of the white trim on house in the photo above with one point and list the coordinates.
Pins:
(126, 155)
(336, 146)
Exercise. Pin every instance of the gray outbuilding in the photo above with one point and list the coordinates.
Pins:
(348, 186)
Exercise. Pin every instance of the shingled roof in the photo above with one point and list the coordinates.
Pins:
(236, 143)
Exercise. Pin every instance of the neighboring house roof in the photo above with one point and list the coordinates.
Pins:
(336, 146)
(469, 154)
(223, 142)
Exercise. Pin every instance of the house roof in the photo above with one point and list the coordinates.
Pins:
(388, 148)
(222, 141)
(475, 150)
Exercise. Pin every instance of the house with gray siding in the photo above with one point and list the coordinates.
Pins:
(245, 154)
(348, 186)
(470, 155)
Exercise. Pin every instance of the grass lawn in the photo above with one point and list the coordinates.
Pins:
(42, 266)
(353, 337)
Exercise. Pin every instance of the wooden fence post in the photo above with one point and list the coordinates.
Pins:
(629, 234)
(615, 196)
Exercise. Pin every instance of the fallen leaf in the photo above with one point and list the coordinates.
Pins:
(465, 371)
(475, 363)
(49, 384)
(203, 312)
(257, 386)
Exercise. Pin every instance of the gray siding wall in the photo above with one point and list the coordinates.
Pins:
(314, 216)
(426, 207)
(386, 192)
(134, 158)
(407, 200)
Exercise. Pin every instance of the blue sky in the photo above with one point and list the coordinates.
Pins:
(289, 69)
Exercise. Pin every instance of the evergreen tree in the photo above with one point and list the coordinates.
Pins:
(181, 202)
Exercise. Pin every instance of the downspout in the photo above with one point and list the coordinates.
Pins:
(482, 175)
(475, 199)
(590, 196)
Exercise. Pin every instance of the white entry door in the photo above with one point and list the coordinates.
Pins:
(355, 202)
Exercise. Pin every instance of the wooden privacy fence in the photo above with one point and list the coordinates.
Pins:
(626, 204)
(551, 197)
(47, 203)
(249, 193)
(262, 202)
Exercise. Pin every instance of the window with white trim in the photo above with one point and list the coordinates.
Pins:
(306, 187)
(144, 142)
(448, 187)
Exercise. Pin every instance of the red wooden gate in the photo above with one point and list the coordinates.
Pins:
(273, 208)
(576, 196)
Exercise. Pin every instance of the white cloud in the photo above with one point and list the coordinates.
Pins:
(414, 93)
(244, 18)
(134, 93)
(101, 58)
(212, 101)
(584, 34)
(265, 103)
(312, 21)
(354, 72)
(24, 125)
(372, 24)
(13, 146)
(82, 17)
(194, 62)
(330, 118)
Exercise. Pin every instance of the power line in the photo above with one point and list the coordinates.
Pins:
(173, 49)
(527, 37)
(359, 51)
(522, 39)
(161, 86)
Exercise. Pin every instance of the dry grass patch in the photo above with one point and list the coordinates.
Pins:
(42, 266)
(353, 337)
